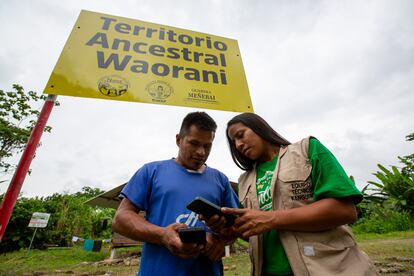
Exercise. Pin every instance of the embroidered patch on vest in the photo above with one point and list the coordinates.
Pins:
(308, 250)
(301, 190)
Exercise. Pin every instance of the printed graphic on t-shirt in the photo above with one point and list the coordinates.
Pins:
(188, 219)
(264, 191)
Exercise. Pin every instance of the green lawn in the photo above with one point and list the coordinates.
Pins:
(48, 260)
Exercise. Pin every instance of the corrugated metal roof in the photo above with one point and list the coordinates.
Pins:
(107, 199)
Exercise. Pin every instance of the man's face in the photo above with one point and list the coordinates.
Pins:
(194, 148)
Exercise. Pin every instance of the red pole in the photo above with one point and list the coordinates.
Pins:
(16, 183)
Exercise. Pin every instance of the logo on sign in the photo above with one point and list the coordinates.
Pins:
(113, 86)
(159, 90)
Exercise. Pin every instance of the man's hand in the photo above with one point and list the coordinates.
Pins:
(214, 249)
(172, 242)
(216, 223)
(251, 222)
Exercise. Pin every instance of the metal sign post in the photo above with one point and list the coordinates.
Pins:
(32, 240)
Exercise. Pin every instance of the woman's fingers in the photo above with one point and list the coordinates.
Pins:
(234, 211)
(251, 222)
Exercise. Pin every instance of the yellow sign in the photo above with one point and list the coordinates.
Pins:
(116, 58)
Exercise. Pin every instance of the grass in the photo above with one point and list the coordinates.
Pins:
(383, 248)
(237, 265)
(390, 248)
(61, 261)
(48, 260)
(391, 235)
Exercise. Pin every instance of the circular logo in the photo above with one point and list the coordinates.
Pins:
(159, 89)
(113, 86)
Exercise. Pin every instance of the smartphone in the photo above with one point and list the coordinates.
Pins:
(192, 235)
(208, 209)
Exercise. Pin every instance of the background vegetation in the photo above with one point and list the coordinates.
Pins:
(69, 217)
(388, 203)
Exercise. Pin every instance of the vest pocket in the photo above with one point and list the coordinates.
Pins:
(332, 252)
(296, 193)
(294, 174)
(294, 166)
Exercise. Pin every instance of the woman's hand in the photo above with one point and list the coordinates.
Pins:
(251, 222)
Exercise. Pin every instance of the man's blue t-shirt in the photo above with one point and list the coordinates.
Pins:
(163, 189)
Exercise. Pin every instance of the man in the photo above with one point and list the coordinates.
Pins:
(163, 189)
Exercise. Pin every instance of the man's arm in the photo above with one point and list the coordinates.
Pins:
(129, 223)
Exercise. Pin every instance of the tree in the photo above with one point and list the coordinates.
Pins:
(408, 160)
(17, 119)
(396, 185)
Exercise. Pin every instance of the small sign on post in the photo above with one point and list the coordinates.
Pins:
(38, 220)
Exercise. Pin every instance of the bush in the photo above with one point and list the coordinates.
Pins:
(379, 219)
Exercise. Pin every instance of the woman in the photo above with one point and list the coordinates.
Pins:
(297, 201)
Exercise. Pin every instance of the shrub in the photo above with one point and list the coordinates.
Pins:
(380, 219)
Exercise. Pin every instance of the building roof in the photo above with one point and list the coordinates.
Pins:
(107, 199)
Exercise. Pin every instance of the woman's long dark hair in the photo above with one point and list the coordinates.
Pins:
(261, 128)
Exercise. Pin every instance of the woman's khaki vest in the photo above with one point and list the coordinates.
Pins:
(323, 253)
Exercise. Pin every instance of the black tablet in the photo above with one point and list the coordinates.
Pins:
(192, 235)
(208, 209)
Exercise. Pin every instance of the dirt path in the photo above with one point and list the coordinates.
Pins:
(392, 256)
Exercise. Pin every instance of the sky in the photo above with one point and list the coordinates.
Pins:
(342, 71)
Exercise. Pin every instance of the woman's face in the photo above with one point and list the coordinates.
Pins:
(247, 142)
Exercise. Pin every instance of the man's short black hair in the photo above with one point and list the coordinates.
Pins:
(201, 120)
